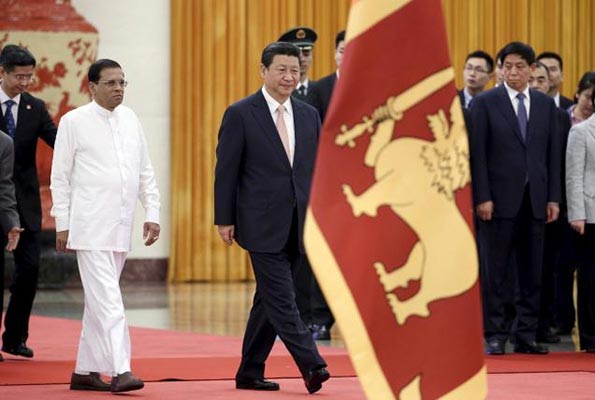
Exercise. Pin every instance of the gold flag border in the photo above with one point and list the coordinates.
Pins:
(343, 305)
(364, 14)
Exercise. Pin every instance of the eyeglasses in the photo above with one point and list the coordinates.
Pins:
(24, 77)
(478, 70)
(112, 83)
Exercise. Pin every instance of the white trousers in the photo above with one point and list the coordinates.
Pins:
(104, 345)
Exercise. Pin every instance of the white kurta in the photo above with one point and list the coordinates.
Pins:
(100, 168)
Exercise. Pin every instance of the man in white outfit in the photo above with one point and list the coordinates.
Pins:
(100, 168)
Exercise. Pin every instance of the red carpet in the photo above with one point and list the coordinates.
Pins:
(291, 389)
(553, 362)
(160, 355)
(157, 355)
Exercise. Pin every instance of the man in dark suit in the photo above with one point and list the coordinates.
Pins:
(558, 235)
(313, 307)
(515, 161)
(320, 95)
(478, 70)
(555, 66)
(25, 119)
(265, 160)
(304, 38)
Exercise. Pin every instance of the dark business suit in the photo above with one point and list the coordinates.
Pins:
(565, 103)
(321, 92)
(306, 96)
(265, 198)
(462, 98)
(559, 258)
(309, 298)
(33, 123)
(520, 176)
(9, 217)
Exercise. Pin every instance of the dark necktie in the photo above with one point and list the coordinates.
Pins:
(302, 90)
(522, 115)
(10, 125)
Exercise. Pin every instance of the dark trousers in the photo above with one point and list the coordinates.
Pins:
(511, 274)
(586, 287)
(559, 262)
(274, 312)
(22, 289)
(309, 298)
(570, 259)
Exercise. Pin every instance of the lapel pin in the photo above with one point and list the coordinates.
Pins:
(28, 107)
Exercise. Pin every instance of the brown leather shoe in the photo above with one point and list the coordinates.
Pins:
(88, 382)
(126, 382)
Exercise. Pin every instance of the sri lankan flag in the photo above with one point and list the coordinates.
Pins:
(389, 229)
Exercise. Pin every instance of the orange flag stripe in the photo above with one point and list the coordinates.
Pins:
(366, 13)
(346, 312)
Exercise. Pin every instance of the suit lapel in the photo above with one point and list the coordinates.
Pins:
(533, 114)
(262, 114)
(3, 123)
(505, 107)
(299, 128)
(22, 119)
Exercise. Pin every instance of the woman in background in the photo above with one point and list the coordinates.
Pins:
(580, 194)
(582, 109)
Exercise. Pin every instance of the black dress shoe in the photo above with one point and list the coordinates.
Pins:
(590, 350)
(126, 382)
(257, 384)
(88, 382)
(321, 332)
(315, 378)
(1, 359)
(530, 348)
(495, 347)
(20, 349)
(548, 337)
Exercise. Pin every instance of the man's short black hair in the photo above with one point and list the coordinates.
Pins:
(339, 38)
(278, 48)
(98, 66)
(485, 56)
(551, 54)
(15, 56)
(519, 48)
(539, 64)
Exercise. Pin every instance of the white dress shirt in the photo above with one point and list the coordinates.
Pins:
(100, 168)
(467, 97)
(557, 99)
(287, 117)
(515, 101)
